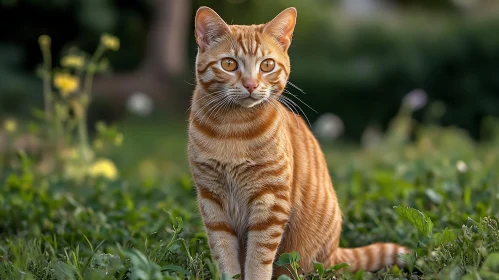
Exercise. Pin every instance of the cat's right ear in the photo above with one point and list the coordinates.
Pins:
(209, 27)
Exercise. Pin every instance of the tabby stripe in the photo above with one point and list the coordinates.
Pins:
(371, 260)
(220, 226)
(243, 45)
(267, 262)
(274, 172)
(306, 188)
(244, 135)
(274, 190)
(274, 76)
(276, 234)
(276, 208)
(283, 68)
(315, 172)
(198, 143)
(270, 246)
(255, 170)
(356, 256)
(327, 215)
(258, 42)
(295, 187)
(207, 84)
(208, 195)
(202, 71)
(264, 225)
(264, 144)
(204, 168)
(218, 72)
(393, 252)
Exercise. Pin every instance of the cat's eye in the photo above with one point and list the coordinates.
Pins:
(229, 64)
(267, 65)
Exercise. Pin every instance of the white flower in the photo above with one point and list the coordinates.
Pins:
(328, 126)
(415, 99)
(461, 166)
(140, 104)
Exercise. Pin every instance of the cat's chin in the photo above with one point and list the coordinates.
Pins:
(249, 102)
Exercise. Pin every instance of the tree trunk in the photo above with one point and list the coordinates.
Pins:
(165, 60)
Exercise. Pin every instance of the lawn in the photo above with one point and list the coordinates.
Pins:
(145, 224)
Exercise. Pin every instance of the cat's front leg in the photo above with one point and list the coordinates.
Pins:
(223, 240)
(269, 208)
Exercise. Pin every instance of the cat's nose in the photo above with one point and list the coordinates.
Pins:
(250, 85)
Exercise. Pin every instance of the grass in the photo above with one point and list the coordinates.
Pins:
(145, 225)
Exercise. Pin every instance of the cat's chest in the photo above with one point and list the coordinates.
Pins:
(236, 191)
(230, 153)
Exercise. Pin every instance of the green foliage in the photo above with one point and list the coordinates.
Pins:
(57, 228)
(417, 218)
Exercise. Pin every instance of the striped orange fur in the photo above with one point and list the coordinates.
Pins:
(262, 180)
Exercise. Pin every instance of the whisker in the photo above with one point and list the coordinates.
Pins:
(224, 102)
(189, 83)
(293, 85)
(201, 110)
(229, 102)
(269, 100)
(196, 101)
(209, 101)
(275, 106)
(227, 107)
(217, 105)
(298, 106)
(213, 94)
(291, 108)
(287, 91)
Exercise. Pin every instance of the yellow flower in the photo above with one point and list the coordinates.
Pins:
(74, 61)
(44, 40)
(66, 83)
(118, 140)
(10, 126)
(104, 168)
(111, 42)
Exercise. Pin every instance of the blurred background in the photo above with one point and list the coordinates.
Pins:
(406, 99)
(357, 60)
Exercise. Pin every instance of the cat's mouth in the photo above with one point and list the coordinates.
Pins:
(250, 101)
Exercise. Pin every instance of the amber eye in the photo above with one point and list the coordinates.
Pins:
(229, 64)
(267, 65)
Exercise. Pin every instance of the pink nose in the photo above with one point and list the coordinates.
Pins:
(250, 85)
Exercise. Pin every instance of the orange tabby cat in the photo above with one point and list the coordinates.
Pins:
(262, 180)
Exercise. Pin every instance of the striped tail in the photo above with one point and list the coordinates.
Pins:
(372, 257)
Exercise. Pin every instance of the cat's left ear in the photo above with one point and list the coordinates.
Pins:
(209, 27)
(282, 27)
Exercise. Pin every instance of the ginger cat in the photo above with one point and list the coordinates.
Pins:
(262, 181)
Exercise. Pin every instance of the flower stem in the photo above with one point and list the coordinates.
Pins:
(47, 66)
(85, 102)
(82, 132)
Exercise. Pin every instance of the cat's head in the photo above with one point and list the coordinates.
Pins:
(244, 64)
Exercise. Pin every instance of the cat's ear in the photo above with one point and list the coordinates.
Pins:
(209, 27)
(282, 26)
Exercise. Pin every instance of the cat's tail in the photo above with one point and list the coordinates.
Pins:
(372, 257)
